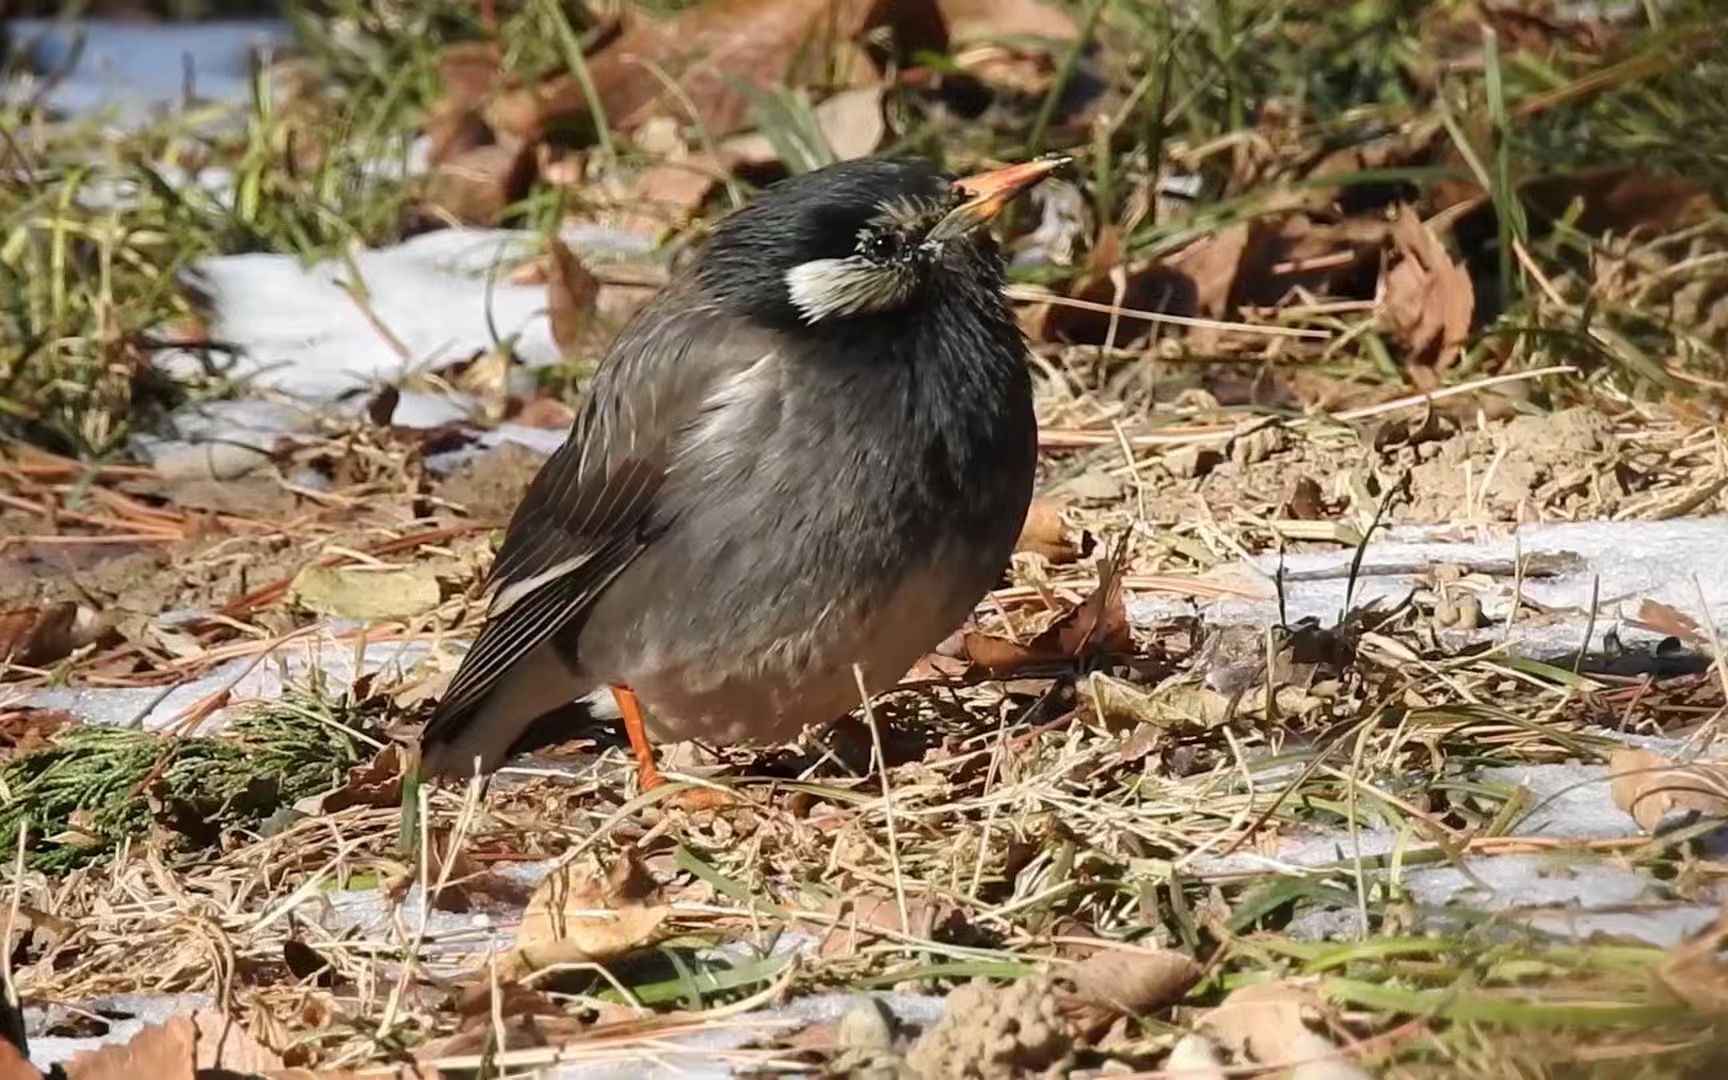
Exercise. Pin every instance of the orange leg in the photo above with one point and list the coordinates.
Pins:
(631, 710)
(647, 774)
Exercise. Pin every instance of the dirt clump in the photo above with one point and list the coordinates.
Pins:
(1531, 468)
(996, 1033)
(490, 485)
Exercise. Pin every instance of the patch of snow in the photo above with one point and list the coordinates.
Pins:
(156, 708)
(132, 72)
(1623, 562)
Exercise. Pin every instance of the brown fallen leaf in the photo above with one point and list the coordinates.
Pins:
(1098, 623)
(1213, 264)
(1427, 299)
(1694, 971)
(572, 296)
(363, 592)
(548, 413)
(851, 125)
(1649, 786)
(474, 186)
(377, 783)
(577, 916)
(177, 1050)
(1179, 706)
(1267, 1024)
(1114, 983)
(25, 727)
(970, 20)
(668, 194)
(1621, 200)
(1666, 619)
(720, 53)
(36, 636)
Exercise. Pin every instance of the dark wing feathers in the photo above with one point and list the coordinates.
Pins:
(592, 507)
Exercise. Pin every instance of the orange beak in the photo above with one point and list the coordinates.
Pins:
(990, 191)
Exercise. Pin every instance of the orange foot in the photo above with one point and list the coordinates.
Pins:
(647, 773)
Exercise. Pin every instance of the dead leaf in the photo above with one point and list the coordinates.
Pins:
(1213, 264)
(1045, 533)
(850, 122)
(1649, 786)
(25, 727)
(473, 187)
(1099, 623)
(720, 53)
(572, 296)
(1694, 970)
(177, 1050)
(1175, 707)
(37, 636)
(1427, 299)
(579, 917)
(471, 71)
(667, 195)
(548, 413)
(970, 20)
(363, 592)
(377, 783)
(1665, 619)
(1265, 1023)
(1621, 200)
(487, 377)
(859, 918)
(1114, 983)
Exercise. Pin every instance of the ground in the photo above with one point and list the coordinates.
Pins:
(1351, 704)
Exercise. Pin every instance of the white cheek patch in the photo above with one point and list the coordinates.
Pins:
(822, 288)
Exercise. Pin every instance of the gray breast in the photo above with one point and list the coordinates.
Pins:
(803, 534)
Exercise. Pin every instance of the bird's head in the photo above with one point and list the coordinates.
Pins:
(862, 238)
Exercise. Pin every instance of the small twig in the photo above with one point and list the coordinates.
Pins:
(887, 799)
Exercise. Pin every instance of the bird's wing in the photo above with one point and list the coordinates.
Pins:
(592, 508)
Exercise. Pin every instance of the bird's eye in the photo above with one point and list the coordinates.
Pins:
(879, 246)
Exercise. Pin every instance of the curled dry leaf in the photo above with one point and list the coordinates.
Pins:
(1267, 1024)
(1695, 971)
(668, 194)
(1100, 623)
(721, 53)
(1114, 983)
(1648, 786)
(177, 1050)
(580, 917)
(1666, 619)
(377, 783)
(472, 187)
(850, 123)
(969, 20)
(1428, 300)
(360, 592)
(36, 636)
(548, 413)
(1177, 706)
(572, 296)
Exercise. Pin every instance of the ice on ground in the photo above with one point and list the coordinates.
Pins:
(156, 708)
(1622, 563)
(133, 72)
(1565, 800)
(440, 295)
